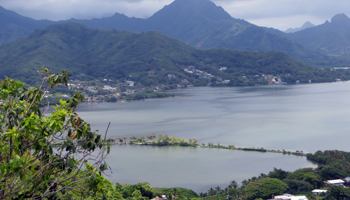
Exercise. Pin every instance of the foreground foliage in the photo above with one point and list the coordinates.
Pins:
(47, 156)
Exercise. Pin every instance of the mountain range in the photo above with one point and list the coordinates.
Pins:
(202, 24)
(304, 26)
(331, 38)
(147, 58)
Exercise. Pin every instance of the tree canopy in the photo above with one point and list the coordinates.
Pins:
(47, 155)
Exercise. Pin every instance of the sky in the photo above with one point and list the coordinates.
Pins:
(279, 14)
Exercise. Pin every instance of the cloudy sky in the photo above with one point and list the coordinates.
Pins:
(280, 14)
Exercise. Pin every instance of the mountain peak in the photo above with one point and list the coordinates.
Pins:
(304, 26)
(307, 25)
(194, 8)
(340, 18)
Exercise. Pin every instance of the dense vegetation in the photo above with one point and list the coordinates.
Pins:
(38, 152)
(146, 58)
(335, 159)
(147, 94)
(207, 26)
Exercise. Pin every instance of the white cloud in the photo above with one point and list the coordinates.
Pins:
(83, 9)
(281, 14)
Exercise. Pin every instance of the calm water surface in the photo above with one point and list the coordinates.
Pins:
(300, 117)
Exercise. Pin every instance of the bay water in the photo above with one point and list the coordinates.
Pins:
(291, 117)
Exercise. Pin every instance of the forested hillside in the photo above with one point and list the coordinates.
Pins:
(199, 23)
(147, 58)
(331, 38)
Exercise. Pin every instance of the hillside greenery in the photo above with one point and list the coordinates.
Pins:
(146, 58)
(202, 24)
(333, 164)
(330, 38)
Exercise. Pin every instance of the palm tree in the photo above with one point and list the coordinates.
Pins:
(125, 138)
(160, 138)
(218, 190)
(142, 138)
(233, 184)
(173, 140)
(133, 138)
(194, 141)
(166, 139)
(244, 183)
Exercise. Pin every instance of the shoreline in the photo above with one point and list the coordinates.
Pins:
(229, 147)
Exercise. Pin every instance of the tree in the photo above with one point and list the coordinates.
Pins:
(154, 136)
(233, 184)
(337, 192)
(47, 156)
(264, 188)
(278, 173)
(133, 138)
(144, 190)
(142, 138)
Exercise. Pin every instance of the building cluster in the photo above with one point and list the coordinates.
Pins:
(335, 182)
(111, 89)
(205, 75)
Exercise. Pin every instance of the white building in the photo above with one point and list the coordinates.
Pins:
(318, 191)
(290, 197)
(130, 83)
(335, 182)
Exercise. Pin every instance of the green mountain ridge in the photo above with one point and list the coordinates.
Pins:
(199, 23)
(147, 58)
(331, 38)
(14, 26)
(202, 24)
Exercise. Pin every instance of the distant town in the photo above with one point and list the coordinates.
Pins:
(109, 90)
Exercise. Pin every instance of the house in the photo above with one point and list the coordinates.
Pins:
(191, 67)
(171, 76)
(130, 91)
(223, 68)
(289, 197)
(159, 198)
(226, 81)
(185, 82)
(107, 87)
(130, 83)
(318, 191)
(347, 179)
(335, 182)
